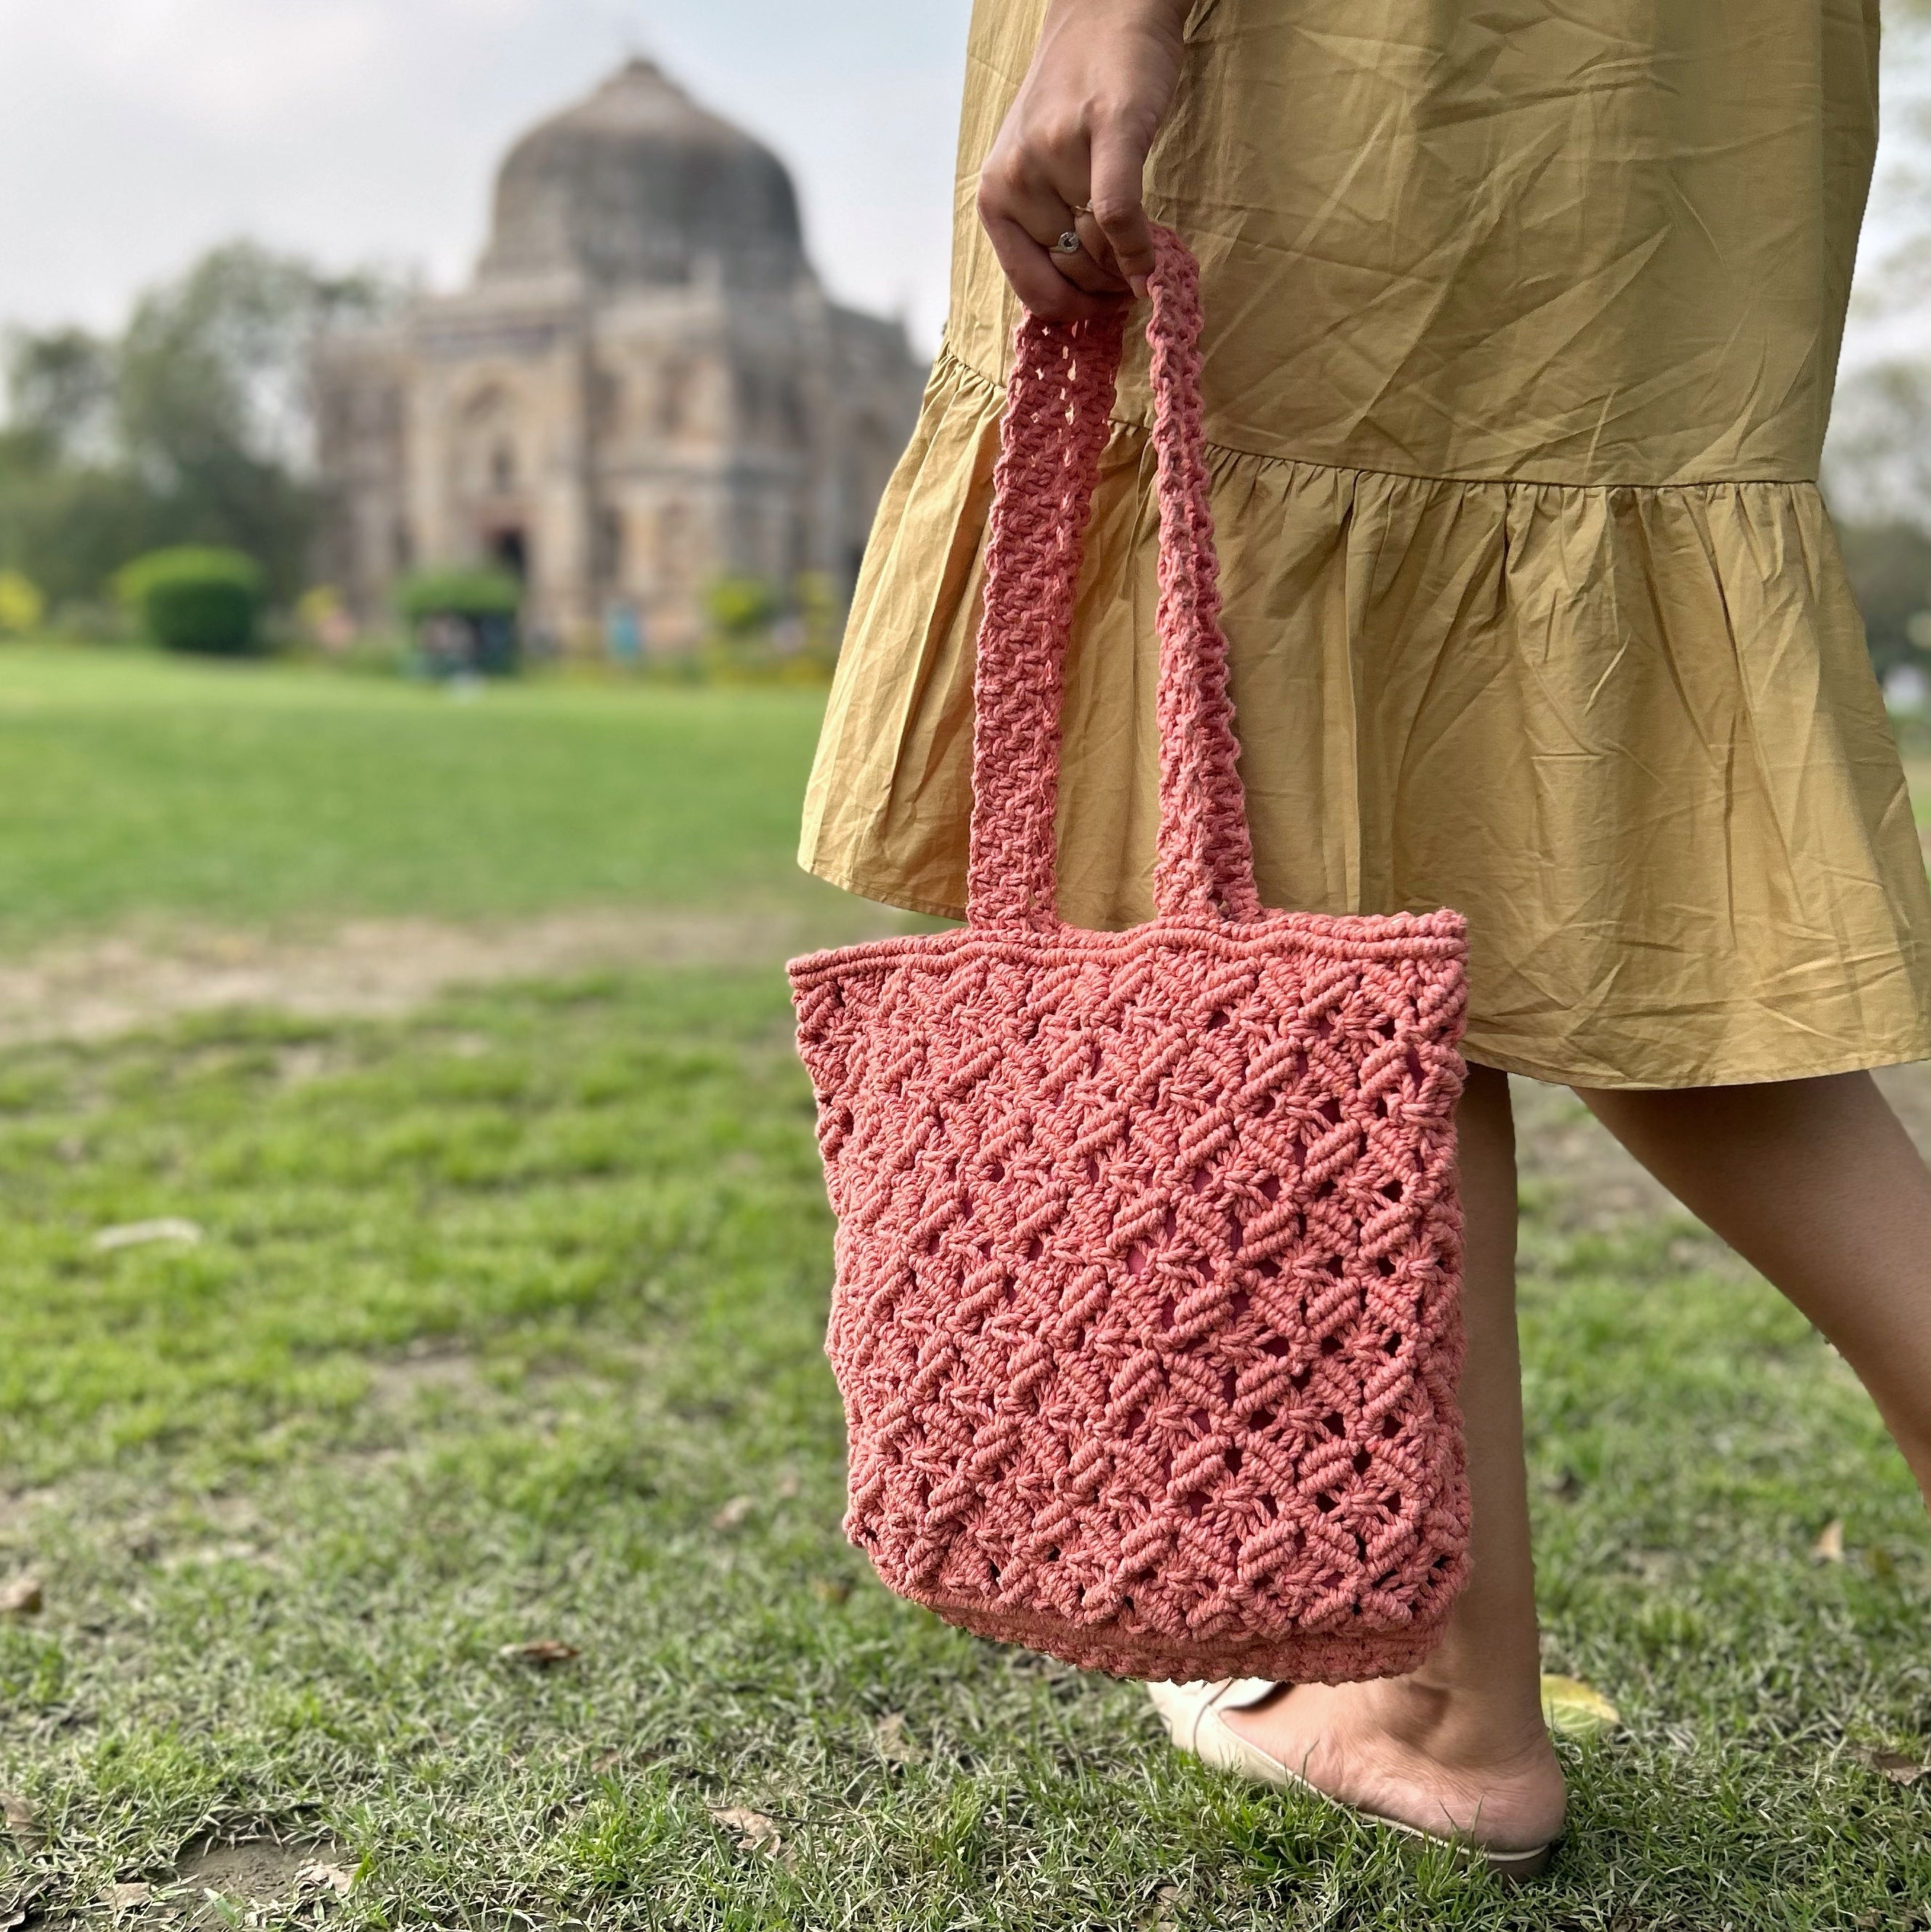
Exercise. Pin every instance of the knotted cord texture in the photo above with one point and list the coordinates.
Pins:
(1205, 862)
(1147, 1316)
(1055, 428)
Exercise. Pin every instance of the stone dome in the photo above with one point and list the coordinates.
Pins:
(635, 186)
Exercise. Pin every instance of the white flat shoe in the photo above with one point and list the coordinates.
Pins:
(1193, 1719)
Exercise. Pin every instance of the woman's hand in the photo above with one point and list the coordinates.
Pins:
(1070, 156)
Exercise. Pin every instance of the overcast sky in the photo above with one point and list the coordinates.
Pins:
(135, 133)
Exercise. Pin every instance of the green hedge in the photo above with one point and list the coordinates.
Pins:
(194, 598)
(481, 592)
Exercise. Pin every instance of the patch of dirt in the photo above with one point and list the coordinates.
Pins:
(113, 985)
(19, 1508)
(395, 1383)
(265, 1879)
(258, 1881)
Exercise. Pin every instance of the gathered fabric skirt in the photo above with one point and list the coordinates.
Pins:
(1611, 703)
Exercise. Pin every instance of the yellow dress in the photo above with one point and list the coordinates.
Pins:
(1522, 323)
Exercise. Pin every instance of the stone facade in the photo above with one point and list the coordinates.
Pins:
(644, 388)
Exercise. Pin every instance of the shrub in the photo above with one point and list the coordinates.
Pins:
(757, 634)
(465, 621)
(741, 610)
(196, 599)
(22, 606)
(481, 592)
(322, 621)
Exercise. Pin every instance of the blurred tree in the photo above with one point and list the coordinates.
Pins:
(192, 428)
(1890, 570)
(211, 399)
(69, 525)
(61, 389)
(1877, 462)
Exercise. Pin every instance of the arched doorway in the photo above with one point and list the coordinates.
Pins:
(510, 548)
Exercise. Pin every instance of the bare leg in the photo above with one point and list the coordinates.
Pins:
(1816, 1183)
(1460, 1744)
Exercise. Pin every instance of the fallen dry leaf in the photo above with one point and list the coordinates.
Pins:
(733, 1513)
(139, 1234)
(320, 1877)
(788, 1487)
(890, 1741)
(754, 1830)
(608, 1761)
(1829, 1547)
(1170, 1899)
(1899, 1767)
(541, 1651)
(23, 1820)
(125, 1897)
(24, 1597)
(1576, 1709)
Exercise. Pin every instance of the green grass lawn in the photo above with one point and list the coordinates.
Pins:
(498, 1315)
(134, 787)
(503, 1327)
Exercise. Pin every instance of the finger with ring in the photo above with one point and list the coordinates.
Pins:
(1061, 235)
(1098, 250)
(1083, 272)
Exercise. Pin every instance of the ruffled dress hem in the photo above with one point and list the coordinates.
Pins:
(1630, 730)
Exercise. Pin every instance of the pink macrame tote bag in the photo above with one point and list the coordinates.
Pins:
(1147, 1317)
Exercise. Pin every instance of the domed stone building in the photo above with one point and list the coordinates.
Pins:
(643, 388)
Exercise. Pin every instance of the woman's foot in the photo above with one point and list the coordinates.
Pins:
(1405, 1750)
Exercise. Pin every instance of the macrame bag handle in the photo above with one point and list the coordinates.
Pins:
(1054, 432)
